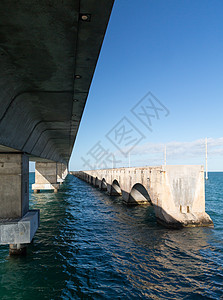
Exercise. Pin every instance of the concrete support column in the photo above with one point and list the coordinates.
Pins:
(18, 224)
(61, 172)
(14, 185)
(64, 171)
(46, 177)
(178, 196)
(60, 179)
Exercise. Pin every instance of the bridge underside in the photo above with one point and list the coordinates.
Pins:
(48, 54)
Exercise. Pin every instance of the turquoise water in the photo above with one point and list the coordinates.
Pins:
(92, 246)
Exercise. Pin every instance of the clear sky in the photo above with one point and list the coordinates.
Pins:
(174, 50)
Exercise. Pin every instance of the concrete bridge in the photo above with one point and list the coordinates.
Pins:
(176, 192)
(48, 54)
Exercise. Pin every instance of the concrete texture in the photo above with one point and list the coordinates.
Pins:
(14, 187)
(59, 173)
(44, 45)
(62, 172)
(176, 192)
(20, 232)
(46, 177)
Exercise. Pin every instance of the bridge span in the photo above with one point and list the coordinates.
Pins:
(176, 192)
(48, 54)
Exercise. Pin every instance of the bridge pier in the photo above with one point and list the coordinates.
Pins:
(114, 189)
(18, 224)
(103, 186)
(61, 172)
(178, 196)
(60, 179)
(64, 171)
(46, 177)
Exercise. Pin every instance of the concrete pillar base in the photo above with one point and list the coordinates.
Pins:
(185, 220)
(17, 249)
(21, 231)
(41, 186)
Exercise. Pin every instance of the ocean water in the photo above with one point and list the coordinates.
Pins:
(91, 246)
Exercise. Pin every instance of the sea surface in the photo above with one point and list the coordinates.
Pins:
(91, 246)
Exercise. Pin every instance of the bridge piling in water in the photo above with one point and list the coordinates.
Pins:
(18, 224)
(49, 176)
(176, 192)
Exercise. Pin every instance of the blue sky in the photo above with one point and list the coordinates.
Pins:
(173, 49)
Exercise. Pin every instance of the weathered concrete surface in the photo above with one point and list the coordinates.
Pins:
(20, 232)
(43, 46)
(14, 185)
(46, 177)
(176, 192)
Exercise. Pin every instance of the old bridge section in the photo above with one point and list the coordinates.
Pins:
(176, 192)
